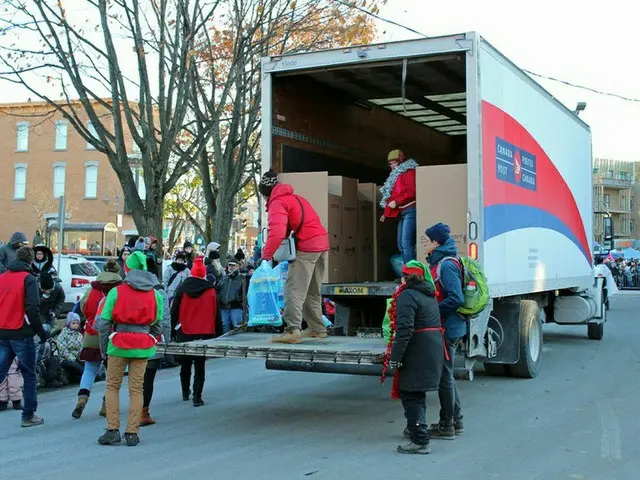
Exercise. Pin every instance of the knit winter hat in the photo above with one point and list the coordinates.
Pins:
(198, 270)
(438, 233)
(140, 245)
(46, 281)
(395, 156)
(239, 256)
(72, 317)
(414, 267)
(180, 255)
(137, 261)
(268, 181)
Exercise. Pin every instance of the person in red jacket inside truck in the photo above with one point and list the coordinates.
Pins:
(288, 213)
(399, 201)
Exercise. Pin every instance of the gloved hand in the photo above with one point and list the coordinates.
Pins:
(395, 365)
(45, 334)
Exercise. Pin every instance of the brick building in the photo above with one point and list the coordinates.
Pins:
(613, 192)
(43, 157)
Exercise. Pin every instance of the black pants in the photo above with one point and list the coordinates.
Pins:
(74, 370)
(185, 375)
(450, 409)
(149, 379)
(415, 411)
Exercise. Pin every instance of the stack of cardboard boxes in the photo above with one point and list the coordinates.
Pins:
(360, 246)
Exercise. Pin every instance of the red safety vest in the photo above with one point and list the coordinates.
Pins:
(12, 308)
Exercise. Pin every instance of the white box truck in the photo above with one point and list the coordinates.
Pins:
(503, 162)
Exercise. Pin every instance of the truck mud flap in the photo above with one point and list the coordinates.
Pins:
(505, 326)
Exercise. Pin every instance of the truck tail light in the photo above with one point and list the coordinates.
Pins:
(473, 250)
(79, 282)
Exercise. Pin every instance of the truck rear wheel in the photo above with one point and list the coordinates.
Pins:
(530, 342)
(595, 331)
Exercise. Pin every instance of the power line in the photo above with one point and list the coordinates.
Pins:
(539, 75)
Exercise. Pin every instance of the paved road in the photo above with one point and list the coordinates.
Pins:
(577, 420)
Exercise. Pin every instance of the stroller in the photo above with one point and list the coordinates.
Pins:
(49, 372)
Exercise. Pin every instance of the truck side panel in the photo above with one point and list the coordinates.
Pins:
(536, 184)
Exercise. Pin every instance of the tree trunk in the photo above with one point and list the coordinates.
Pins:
(222, 221)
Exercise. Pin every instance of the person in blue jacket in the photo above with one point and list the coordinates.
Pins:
(446, 271)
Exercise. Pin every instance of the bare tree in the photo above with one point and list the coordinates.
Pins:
(227, 74)
(138, 105)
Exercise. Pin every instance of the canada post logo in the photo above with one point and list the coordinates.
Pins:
(515, 166)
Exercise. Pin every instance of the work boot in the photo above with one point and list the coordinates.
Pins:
(17, 404)
(80, 404)
(103, 408)
(34, 421)
(457, 425)
(438, 430)
(145, 419)
(132, 439)
(292, 337)
(110, 437)
(414, 448)
(308, 333)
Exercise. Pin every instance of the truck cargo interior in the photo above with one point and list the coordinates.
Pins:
(331, 134)
(342, 119)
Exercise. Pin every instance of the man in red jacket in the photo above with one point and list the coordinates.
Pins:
(288, 213)
(399, 201)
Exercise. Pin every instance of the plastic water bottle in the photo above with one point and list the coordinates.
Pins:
(471, 294)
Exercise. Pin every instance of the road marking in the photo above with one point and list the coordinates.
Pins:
(611, 440)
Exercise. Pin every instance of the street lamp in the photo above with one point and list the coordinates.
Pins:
(580, 107)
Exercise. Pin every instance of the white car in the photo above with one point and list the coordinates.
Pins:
(76, 274)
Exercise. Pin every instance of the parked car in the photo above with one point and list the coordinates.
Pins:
(76, 274)
(99, 262)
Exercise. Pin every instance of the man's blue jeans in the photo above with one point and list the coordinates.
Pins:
(25, 350)
(231, 318)
(407, 234)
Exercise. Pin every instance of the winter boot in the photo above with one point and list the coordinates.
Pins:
(198, 402)
(439, 430)
(3, 406)
(80, 404)
(145, 419)
(33, 421)
(414, 448)
(17, 404)
(103, 408)
(186, 395)
(132, 439)
(308, 333)
(110, 437)
(457, 425)
(288, 337)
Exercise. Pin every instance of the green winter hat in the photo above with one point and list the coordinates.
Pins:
(412, 266)
(137, 261)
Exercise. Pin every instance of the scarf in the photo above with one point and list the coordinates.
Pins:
(393, 317)
(387, 188)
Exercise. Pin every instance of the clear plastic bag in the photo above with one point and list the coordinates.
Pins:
(264, 306)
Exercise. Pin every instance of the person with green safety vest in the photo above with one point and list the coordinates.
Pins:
(128, 324)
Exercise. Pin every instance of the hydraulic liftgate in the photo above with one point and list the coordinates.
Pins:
(334, 354)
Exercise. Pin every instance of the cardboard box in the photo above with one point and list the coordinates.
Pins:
(366, 226)
(334, 227)
(442, 194)
(385, 245)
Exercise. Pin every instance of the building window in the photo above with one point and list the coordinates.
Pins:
(20, 182)
(93, 133)
(61, 135)
(138, 175)
(91, 180)
(59, 174)
(607, 200)
(632, 202)
(22, 144)
(632, 226)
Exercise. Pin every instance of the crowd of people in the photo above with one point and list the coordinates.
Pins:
(626, 273)
(128, 310)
